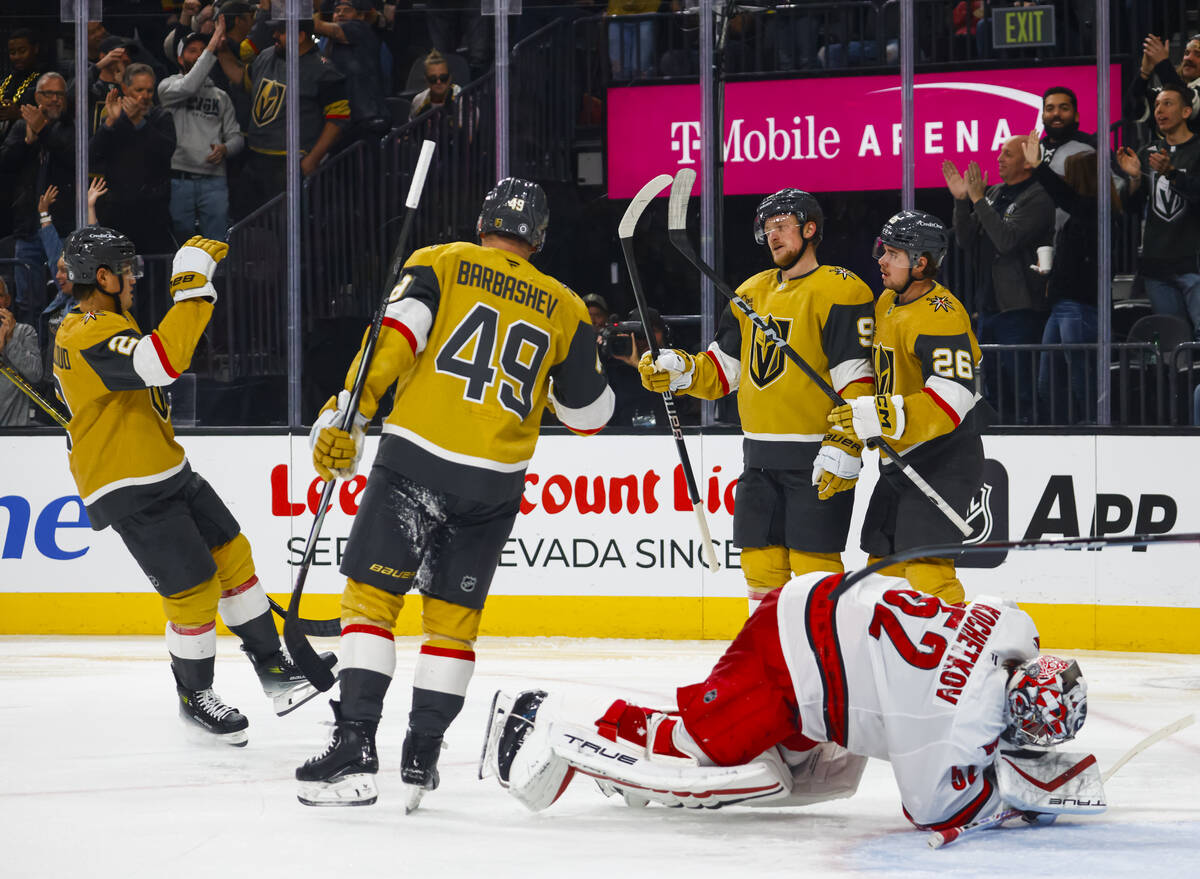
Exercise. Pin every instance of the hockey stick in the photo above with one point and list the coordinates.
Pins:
(943, 550)
(322, 628)
(942, 838)
(11, 373)
(625, 230)
(302, 651)
(681, 192)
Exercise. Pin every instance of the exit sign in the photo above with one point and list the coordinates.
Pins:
(1020, 26)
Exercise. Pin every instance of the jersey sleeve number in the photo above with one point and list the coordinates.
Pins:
(866, 331)
(470, 353)
(913, 604)
(953, 363)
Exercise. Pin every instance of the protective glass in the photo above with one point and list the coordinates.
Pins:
(775, 224)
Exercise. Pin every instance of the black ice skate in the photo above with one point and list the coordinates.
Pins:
(418, 766)
(205, 710)
(344, 774)
(284, 684)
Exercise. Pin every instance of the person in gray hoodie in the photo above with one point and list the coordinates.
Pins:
(206, 134)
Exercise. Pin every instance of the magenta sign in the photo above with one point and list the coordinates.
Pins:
(836, 134)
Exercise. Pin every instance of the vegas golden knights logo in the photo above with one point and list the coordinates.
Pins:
(268, 101)
(885, 370)
(766, 359)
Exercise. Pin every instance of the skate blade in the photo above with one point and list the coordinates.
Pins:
(289, 700)
(353, 790)
(202, 736)
(412, 797)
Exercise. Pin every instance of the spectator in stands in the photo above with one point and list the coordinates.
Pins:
(324, 113)
(462, 27)
(1071, 283)
(1000, 228)
(636, 406)
(1060, 126)
(246, 33)
(19, 345)
(598, 310)
(969, 20)
(133, 149)
(18, 86)
(1165, 176)
(39, 150)
(194, 18)
(206, 134)
(442, 88)
(105, 76)
(353, 47)
(1156, 67)
(632, 48)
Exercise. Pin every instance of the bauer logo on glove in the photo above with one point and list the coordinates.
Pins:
(193, 268)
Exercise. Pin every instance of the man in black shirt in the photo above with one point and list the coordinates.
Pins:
(353, 46)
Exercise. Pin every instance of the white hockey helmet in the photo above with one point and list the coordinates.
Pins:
(1045, 702)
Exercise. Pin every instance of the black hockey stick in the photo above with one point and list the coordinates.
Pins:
(323, 628)
(944, 550)
(681, 192)
(11, 373)
(302, 652)
(625, 230)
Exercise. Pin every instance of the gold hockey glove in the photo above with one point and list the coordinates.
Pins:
(193, 267)
(865, 418)
(335, 452)
(837, 464)
(673, 371)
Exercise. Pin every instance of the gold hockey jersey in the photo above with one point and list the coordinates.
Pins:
(479, 342)
(123, 452)
(925, 351)
(826, 316)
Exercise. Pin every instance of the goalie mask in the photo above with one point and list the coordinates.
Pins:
(517, 208)
(94, 247)
(1045, 702)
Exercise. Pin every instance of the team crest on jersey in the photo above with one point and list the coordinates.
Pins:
(845, 273)
(766, 359)
(885, 370)
(940, 303)
(268, 101)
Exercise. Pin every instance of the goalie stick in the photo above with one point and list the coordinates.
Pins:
(301, 650)
(322, 628)
(625, 231)
(942, 838)
(681, 192)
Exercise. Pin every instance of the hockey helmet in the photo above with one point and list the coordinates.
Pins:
(1045, 702)
(93, 247)
(916, 233)
(518, 208)
(788, 201)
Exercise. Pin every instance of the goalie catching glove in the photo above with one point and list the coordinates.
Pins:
(335, 452)
(837, 464)
(673, 371)
(865, 418)
(193, 268)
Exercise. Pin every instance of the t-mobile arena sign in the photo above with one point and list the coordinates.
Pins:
(836, 134)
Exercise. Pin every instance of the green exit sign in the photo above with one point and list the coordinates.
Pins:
(1019, 26)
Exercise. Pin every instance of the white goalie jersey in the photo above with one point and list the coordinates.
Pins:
(891, 673)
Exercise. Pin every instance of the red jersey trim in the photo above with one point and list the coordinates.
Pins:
(866, 380)
(403, 330)
(946, 407)
(819, 619)
(720, 373)
(965, 815)
(361, 629)
(238, 590)
(162, 356)
(449, 653)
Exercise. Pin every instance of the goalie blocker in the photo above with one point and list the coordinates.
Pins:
(792, 710)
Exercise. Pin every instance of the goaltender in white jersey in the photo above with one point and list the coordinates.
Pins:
(826, 673)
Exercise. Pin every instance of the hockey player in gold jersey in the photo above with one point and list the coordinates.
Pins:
(926, 360)
(478, 343)
(133, 476)
(794, 498)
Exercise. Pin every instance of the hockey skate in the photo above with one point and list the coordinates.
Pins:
(285, 685)
(204, 710)
(418, 766)
(344, 773)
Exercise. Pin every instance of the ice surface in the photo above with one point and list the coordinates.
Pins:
(101, 780)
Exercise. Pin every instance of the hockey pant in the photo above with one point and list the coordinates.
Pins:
(368, 656)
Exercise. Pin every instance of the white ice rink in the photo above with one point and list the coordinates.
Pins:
(100, 780)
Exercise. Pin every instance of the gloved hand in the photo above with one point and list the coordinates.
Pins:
(837, 464)
(672, 371)
(193, 267)
(865, 418)
(335, 452)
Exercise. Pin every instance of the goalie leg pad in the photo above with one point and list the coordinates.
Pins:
(746, 705)
(826, 772)
(1052, 782)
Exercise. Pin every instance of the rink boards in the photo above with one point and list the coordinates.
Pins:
(606, 544)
